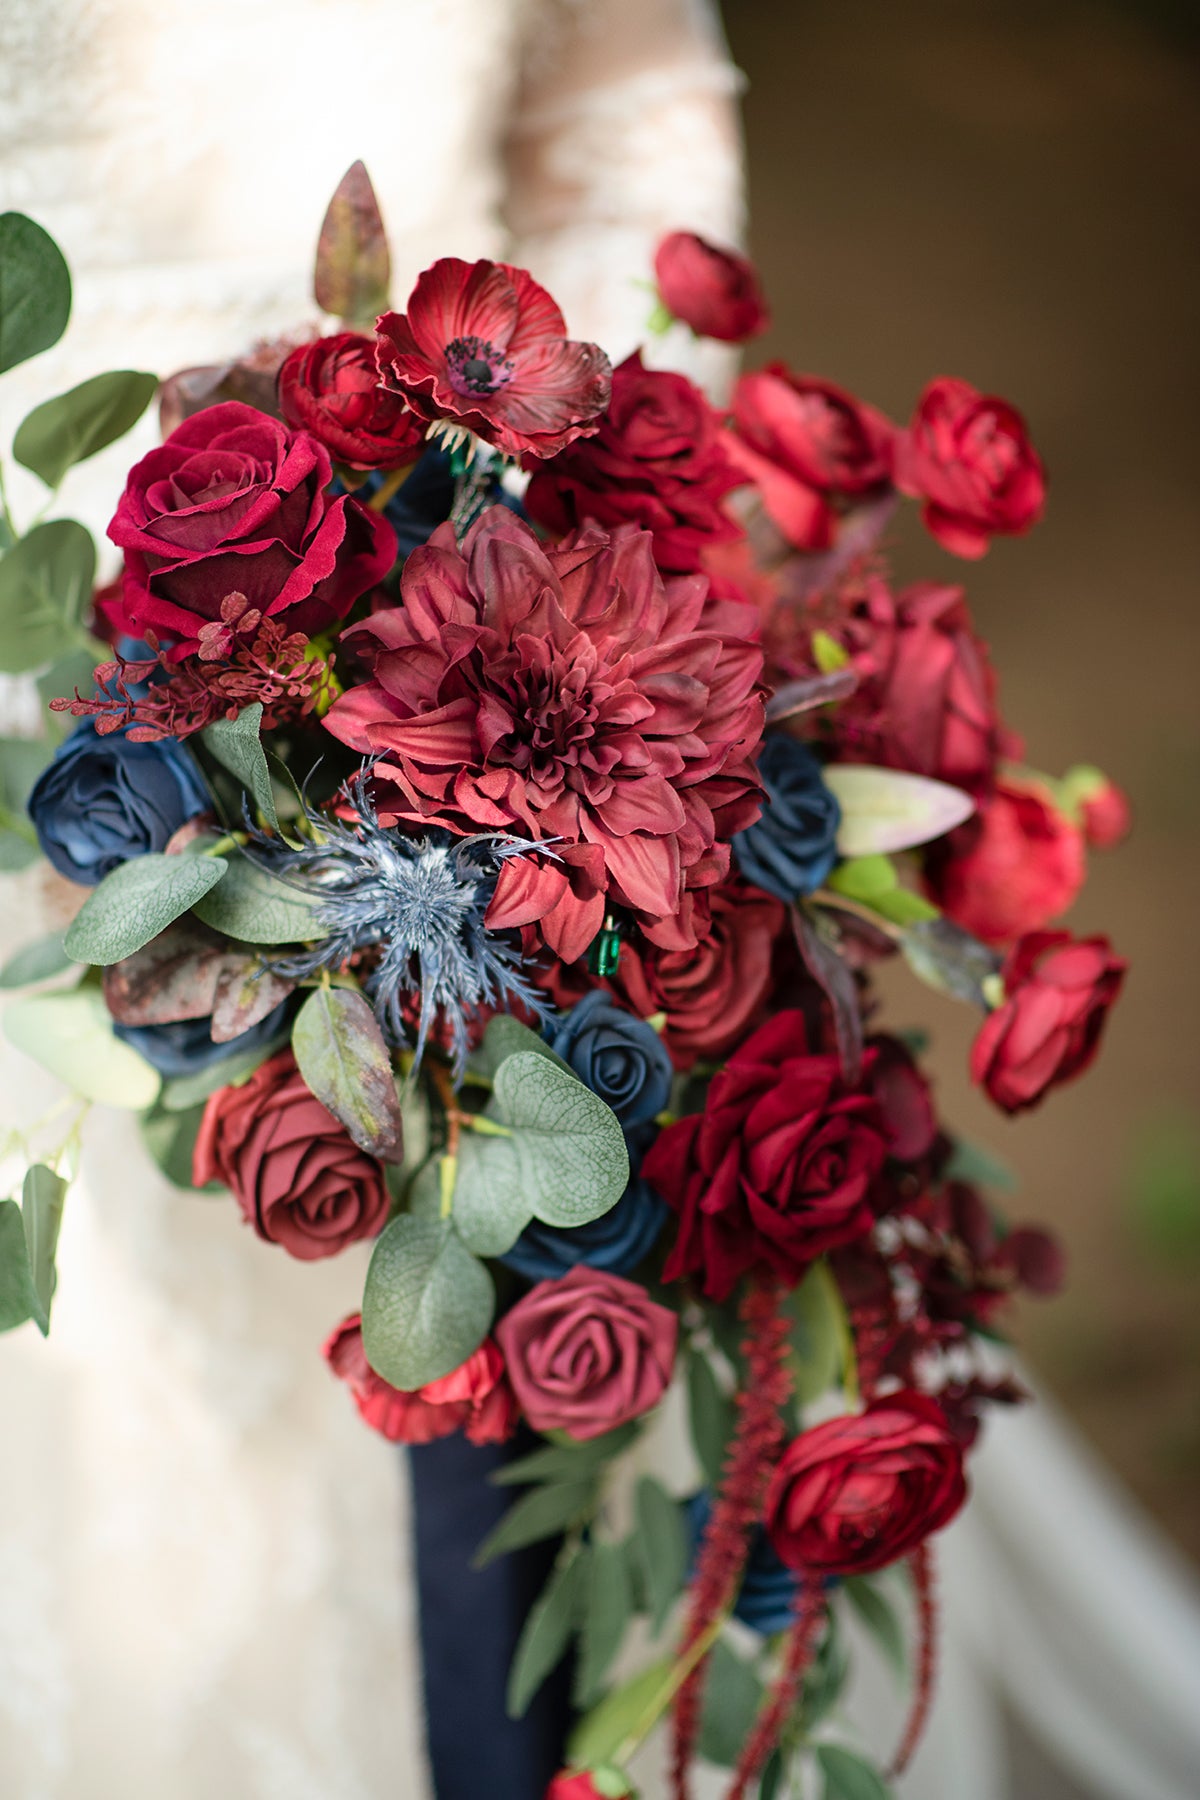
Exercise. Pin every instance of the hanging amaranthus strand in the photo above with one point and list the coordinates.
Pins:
(738, 1505)
(774, 1715)
(921, 1564)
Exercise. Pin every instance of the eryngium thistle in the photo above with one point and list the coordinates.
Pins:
(421, 901)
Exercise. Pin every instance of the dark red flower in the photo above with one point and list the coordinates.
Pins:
(331, 388)
(968, 456)
(656, 461)
(1059, 992)
(905, 1104)
(1012, 868)
(853, 1494)
(807, 445)
(474, 1398)
(577, 1784)
(564, 693)
(1101, 807)
(715, 291)
(778, 1168)
(234, 502)
(483, 346)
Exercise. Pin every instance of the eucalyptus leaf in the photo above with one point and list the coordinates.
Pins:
(772, 1777)
(504, 1037)
(71, 1035)
(427, 1304)
(74, 669)
(547, 1630)
(73, 426)
(542, 1513)
(258, 908)
(661, 1547)
(18, 1296)
(45, 587)
(35, 290)
(885, 810)
(607, 1607)
(880, 1618)
(17, 851)
(138, 900)
(733, 1694)
(237, 746)
(848, 1777)
(490, 1208)
(35, 962)
(826, 1679)
(570, 1148)
(340, 1052)
(42, 1197)
(170, 1138)
(600, 1735)
(710, 1414)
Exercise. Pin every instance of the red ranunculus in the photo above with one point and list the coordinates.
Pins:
(331, 388)
(1059, 991)
(778, 1168)
(1017, 864)
(235, 502)
(968, 456)
(295, 1172)
(577, 1784)
(853, 1494)
(588, 1352)
(483, 346)
(656, 461)
(564, 693)
(715, 291)
(807, 445)
(474, 1398)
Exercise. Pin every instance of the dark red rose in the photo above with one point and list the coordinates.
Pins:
(1012, 868)
(293, 1169)
(474, 1398)
(483, 346)
(234, 502)
(588, 1352)
(807, 445)
(330, 387)
(656, 461)
(778, 1168)
(856, 1493)
(905, 1104)
(715, 291)
(1059, 991)
(968, 456)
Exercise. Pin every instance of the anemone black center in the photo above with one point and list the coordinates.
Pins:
(477, 366)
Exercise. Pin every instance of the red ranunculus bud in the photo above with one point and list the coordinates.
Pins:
(331, 388)
(1101, 807)
(715, 291)
(474, 1398)
(587, 1784)
(968, 456)
(1012, 868)
(1059, 991)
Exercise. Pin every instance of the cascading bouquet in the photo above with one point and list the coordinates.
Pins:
(497, 777)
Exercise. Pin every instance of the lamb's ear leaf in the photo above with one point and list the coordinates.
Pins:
(237, 746)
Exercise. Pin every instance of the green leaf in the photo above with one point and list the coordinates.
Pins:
(571, 1461)
(45, 586)
(258, 908)
(353, 268)
(661, 1547)
(340, 1052)
(848, 1777)
(863, 878)
(772, 1777)
(237, 746)
(828, 654)
(816, 1334)
(570, 1149)
(74, 669)
(71, 1035)
(606, 1611)
(504, 1037)
(490, 1208)
(547, 1630)
(35, 290)
(170, 1138)
(428, 1302)
(137, 901)
(973, 1163)
(902, 907)
(542, 1513)
(825, 1680)
(73, 426)
(35, 962)
(884, 810)
(18, 1296)
(601, 1733)
(950, 959)
(733, 1694)
(879, 1616)
(711, 1415)
(42, 1198)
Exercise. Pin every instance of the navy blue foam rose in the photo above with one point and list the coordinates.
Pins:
(616, 1242)
(769, 1587)
(617, 1055)
(792, 847)
(184, 1047)
(104, 800)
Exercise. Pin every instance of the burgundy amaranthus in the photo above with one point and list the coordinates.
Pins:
(801, 1644)
(921, 1564)
(242, 657)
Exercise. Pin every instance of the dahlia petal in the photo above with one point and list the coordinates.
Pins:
(525, 892)
(647, 803)
(646, 872)
(571, 925)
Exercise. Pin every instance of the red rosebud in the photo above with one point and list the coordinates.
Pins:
(968, 456)
(1059, 991)
(715, 291)
(856, 1493)
(1012, 868)
(331, 388)
(474, 1398)
(1102, 807)
(583, 1784)
(297, 1175)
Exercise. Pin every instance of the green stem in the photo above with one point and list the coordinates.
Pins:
(674, 1680)
(5, 508)
(233, 840)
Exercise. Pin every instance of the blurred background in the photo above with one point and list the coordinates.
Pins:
(1009, 193)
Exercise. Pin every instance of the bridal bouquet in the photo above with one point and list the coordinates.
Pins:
(490, 786)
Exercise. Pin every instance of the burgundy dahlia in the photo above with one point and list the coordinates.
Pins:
(484, 347)
(564, 693)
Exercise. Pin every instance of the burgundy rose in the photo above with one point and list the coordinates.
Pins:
(564, 693)
(1059, 991)
(807, 446)
(293, 1169)
(330, 387)
(656, 461)
(968, 456)
(1012, 868)
(234, 502)
(484, 347)
(778, 1169)
(474, 1398)
(588, 1352)
(715, 291)
(856, 1493)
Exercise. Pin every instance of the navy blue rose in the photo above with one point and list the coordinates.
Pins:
(792, 847)
(617, 1055)
(768, 1595)
(617, 1242)
(103, 801)
(186, 1046)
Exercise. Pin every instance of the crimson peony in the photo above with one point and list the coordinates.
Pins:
(968, 456)
(1059, 992)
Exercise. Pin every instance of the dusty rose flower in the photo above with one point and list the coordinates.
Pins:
(475, 1398)
(714, 290)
